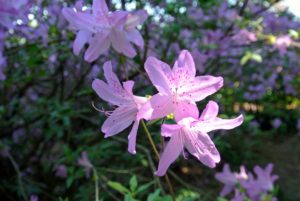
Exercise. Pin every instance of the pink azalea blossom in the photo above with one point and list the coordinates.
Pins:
(128, 105)
(178, 88)
(84, 162)
(244, 37)
(230, 179)
(191, 133)
(102, 28)
(265, 179)
(282, 43)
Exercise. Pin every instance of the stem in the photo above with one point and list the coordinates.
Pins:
(158, 157)
(96, 178)
(20, 183)
(123, 62)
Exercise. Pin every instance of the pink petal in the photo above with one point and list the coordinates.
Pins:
(106, 93)
(170, 154)
(100, 8)
(128, 86)
(226, 190)
(168, 130)
(203, 86)
(185, 61)
(135, 19)
(134, 36)
(185, 109)
(81, 39)
(111, 77)
(161, 106)
(210, 112)
(132, 137)
(219, 123)
(97, 46)
(80, 20)
(202, 147)
(120, 119)
(121, 44)
(118, 18)
(156, 71)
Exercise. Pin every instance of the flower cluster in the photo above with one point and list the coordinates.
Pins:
(246, 186)
(101, 28)
(178, 91)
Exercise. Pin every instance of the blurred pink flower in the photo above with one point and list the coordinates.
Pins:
(84, 162)
(103, 28)
(178, 88)
(265, 179)
(230, 179)
(282, 43)
(128, 105)
(34, 198)
(244, 37)
(191, 133)
(61, 171)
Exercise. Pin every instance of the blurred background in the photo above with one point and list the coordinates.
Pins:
(51, 146)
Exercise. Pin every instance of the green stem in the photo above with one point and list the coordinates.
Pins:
(20, 183)
(158, 157)
(96, 179)
(123, 62)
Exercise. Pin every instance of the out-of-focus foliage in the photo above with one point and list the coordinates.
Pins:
(47, 118)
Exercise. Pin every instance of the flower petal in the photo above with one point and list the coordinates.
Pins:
(185, 61)
(170, 154)
(219, 123)
(185, 109)
(210, 112)
(111, 77)
(132, 137)
(203, 86)
(135, 19)
(80, 20)
(106, 93)
(156, 71)
(157, 107)
(168, 130)
(97, 46)
(134, 36)
(81, 39)
(202, 147)
(120, 119)
(121, 44)
(118, 18)
(128, 86)
(100, 8)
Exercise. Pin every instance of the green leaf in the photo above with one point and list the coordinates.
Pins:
(128, 197)
(293, 33)
(153, 196)
(256, 57)
(245, 58)
(144, 187)
(133, 183)
(118, 187)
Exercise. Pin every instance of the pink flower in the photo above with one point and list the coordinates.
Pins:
(61, 171)
(128, 105)
(282, 43)
(103, 28)
(230, 179)
(178, 88)
(84, 162)
(265, 179)
(191, 133)
(244, 37)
